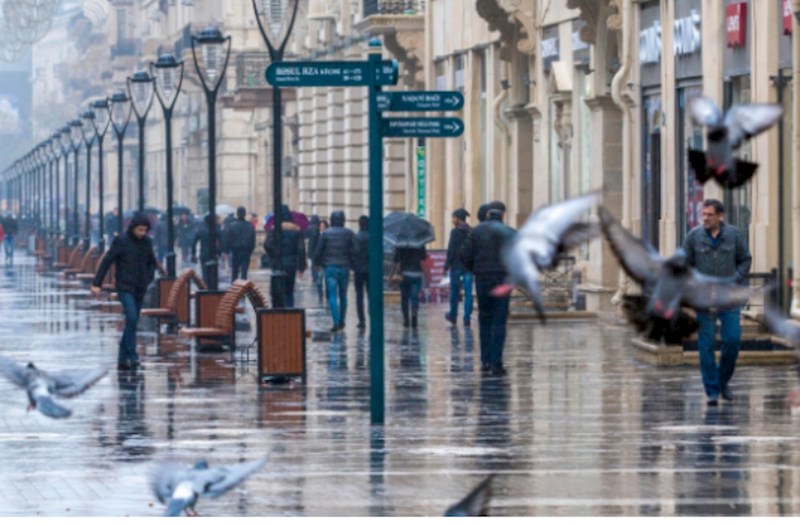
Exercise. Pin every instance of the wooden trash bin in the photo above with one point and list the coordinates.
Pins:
(281, 343)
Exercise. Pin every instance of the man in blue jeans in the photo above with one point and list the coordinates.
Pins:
(458, 235)
(135, 266)
(718, 249)
(335, 250)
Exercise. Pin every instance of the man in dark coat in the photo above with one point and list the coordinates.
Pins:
(361, 267)
(161, 238)
(408, 264)
(240, 240)
(334, 252)
(458, 235)
(185, 232)
(203, 238)
(135, 265)
(481, 254)
(293, 252)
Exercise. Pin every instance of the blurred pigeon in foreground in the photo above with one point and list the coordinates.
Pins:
(725, 134)
(476, 503)
(42, 386)
(548, 233)
(667, 285)
(179, 487)
(789, 330)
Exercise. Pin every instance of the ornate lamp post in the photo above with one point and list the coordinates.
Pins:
(120, 107)
(102, 120)
(89, 136)
(168, 73)
(276, 20)
(66, 147)
(141, 90)
(76, 137)
(215, 51)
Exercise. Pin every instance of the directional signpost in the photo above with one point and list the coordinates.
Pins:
(373, 74)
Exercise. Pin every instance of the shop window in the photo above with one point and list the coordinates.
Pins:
(738, 202)
(651, 168)
(458, 67)
(690, 190)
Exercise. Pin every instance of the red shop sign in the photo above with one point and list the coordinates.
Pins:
(736, 24)
(787, 17)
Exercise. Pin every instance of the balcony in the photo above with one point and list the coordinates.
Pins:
(402, 25)
(126, 48)
(393, 7)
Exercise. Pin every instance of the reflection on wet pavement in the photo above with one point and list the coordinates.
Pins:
(578, 427)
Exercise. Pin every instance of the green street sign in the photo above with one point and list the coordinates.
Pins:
(420, 101)
(330, 74)
(422, 127)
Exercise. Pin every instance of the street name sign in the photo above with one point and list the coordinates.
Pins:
(422, 127)
(330, 74)
(420, 101)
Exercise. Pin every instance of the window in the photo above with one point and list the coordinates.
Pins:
(458, 67)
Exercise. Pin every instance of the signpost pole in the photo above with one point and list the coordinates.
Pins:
(376, 398)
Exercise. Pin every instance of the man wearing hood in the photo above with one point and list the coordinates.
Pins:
(240, 240)
(334, 252)
(457, 269)
(135, 265)
(293, 252)
(361, 267)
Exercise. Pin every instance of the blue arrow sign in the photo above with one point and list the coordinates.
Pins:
(330, 73)
(422, 127)
(420, 101)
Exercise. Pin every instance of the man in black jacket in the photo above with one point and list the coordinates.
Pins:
(456, 268)
(203, 237)
(134, 263)
(293, 252)
(334, 252)
(185, 231)
(361, 267)
(481, 253)
(240, 240)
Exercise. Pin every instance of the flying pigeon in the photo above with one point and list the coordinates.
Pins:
(667, 285)
(179, 487)
(725, 134)
(548, 233)
(42, 386)
(476, 503)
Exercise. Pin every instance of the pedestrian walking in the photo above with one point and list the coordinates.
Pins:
(11, 228)
(408, 265)
(293, 252)
(161, 238)
(240, 239)
(111, 226)
(458, 273)
(225, 250)
(334, 252)
(135, 266)
(481, 254)
(185, 231)
(203, 237)
(718, 249)
(361, 268)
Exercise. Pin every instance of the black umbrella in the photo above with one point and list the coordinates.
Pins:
(406, 230)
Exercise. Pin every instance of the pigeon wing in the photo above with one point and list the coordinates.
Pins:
(704, 112)
(66, 384)
(476, 503)
(165, 478)
(222, 479)
(703, 292)
(782, 326)
(14, 372)
(638, 258)
(746, 120)
(48, 406)
(579, 233)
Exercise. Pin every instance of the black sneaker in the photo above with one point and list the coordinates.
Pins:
(467, 322)
(451, 319)
(727, 395)
(497, 371)
(712, 401)
(362, 324)
(335, 329)
(484, 367)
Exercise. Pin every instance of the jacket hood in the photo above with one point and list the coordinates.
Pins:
(337, 218)
(139, 219)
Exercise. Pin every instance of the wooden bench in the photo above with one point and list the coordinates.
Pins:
(173, 298)
(216, 311)
(72, 260)
(86, 264)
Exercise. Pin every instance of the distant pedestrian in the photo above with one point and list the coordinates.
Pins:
(185, 232)
(481, 254)
(293, 252)
(226, 252)
(254, 220)
(334, 252)
(203, 237)
(361, 268)
(240, 239)
(408, 264)
(135, 266)
(111, 226)
(458, 271)
(11, 228)
(162, 238)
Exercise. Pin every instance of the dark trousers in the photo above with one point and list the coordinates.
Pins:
(492, 318)
(409, 295)
(716, 378)
(291, 277)
(186, 254)
(131, 306)
(362, 286)
(239, 265)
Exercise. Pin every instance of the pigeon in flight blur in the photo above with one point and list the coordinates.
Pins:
(179, 487)
(667, 285)
(789, 330)
(547, 234)
(476, 503)
(42, 386)
(725, 134)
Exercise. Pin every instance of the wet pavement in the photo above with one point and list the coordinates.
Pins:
(578, 427)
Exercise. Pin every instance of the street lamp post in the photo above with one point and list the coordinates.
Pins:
(101, 122)
(76, 136)
(211, 68)
(89, 136)
(66, 146)
(168, 73)
(272, 21)
(120, 107)
(141, 91)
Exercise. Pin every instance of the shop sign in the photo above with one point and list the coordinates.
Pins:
(650, 44)
(686, 34)
(787, 17)
(736, 24)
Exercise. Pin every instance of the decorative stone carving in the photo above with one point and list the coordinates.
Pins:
(404, 37)
(590, 10)
(522, 12)
(512, 21)
(614, 22)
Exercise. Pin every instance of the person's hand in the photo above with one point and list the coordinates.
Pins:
(96, 291)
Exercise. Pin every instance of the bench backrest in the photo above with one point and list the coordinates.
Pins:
(178, 298)
(87, 263)
(75, 257)
(227, 307)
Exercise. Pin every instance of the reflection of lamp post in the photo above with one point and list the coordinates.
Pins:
(101, 123)
(168, 73)
(76, 137)
(89, 135)
(140, 91)
(66, 146)
(272, 21)
(120, 107)
(211, 70)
